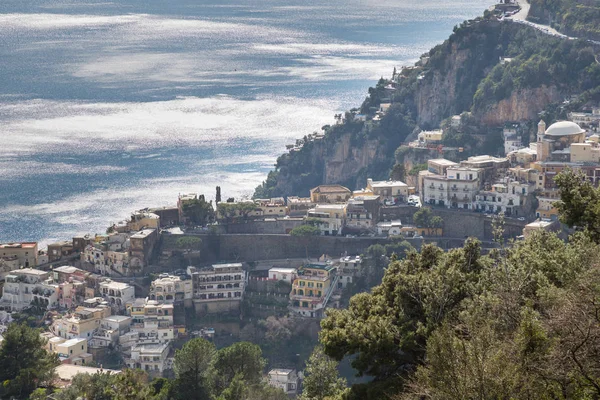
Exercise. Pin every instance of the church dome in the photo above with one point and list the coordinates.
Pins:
(564, 128)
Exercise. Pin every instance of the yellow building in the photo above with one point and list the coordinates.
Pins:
(312, 288)
(82, 323)
(546, 208)
(412, 231)
(25, 252)
(330, 194)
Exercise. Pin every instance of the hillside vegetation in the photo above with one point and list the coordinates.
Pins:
(520, 323)
(580, 18)
(463, 74)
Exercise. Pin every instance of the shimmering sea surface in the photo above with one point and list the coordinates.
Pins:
(111, 106)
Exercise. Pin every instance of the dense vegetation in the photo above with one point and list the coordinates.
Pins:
(575, 17)
(539, 60)
(201, 373)
(519, 323)
(469, 60)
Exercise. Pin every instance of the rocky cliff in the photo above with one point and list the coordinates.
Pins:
(498, 71)
(522, 105)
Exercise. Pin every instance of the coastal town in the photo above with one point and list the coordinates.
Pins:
(268, 271)
(95, 298)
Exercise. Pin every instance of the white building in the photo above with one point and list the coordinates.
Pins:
(332, 218)
(25, 287)
(152, 320)
(431, 136)
(149, 357)
(510, 198)
(512, 140)
(388, 190)
(348, 268)
(389, 228)
(285, 379)
(283, 274)
(221, 282)
(117, 294)
(171, 289)
(455, 190)
(110, 330)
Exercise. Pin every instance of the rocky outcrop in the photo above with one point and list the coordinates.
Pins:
(347, 160)
(522, 105)
(436, 94)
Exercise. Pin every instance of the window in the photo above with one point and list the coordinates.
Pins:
(457, 176)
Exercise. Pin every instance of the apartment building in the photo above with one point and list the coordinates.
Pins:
(111, 329)
(330, 194)
(332, 218)
(141, 247)
(389, 190)
(26, 253)
(284, 379)
(82, 323)
(348, 268)
(219, 288)
(152, 320)
(362, 213)
(141, 219)
(312, 289)
(172, 290)
(299, 206)
(510, 197)
(151, 358)
(117, 294)
(456, 189)
(29, 287)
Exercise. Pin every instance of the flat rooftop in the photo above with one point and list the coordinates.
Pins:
(22, 245)
(442, 161)
(143, 234)
(66, 372)
(378, 184)
(67, 269)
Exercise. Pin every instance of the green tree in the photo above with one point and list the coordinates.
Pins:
(305, 230)
(237, 389)
(579, 203)
(321, 377)
(241, 359)
(199, 211)
(400, 249)
(422, 217)
(24, 363)
(398, 172)
(194, 368)
(386, 330)
(96, 386)
(231, 211)
(132, 384)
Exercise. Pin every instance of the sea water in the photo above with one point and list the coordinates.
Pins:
(111, 106)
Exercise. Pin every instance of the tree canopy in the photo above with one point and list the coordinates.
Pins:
(24, 363)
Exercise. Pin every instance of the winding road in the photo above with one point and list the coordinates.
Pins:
(521, 18)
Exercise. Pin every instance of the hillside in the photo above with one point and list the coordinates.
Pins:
(579, 18)
(463, 74)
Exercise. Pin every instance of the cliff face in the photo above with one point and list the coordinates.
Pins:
(436, 95)
(346, 160)
(522, 105)
(462, 74)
